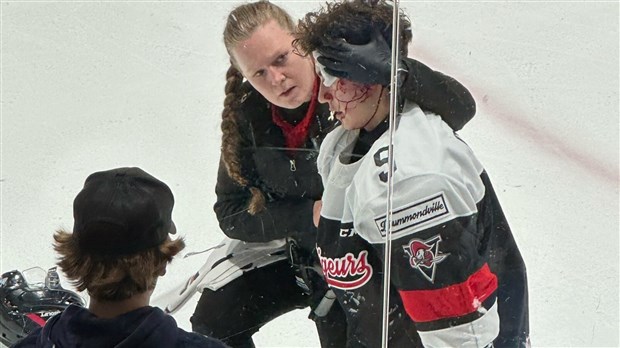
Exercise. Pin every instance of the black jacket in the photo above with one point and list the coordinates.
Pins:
(145, 327)
(288, 177)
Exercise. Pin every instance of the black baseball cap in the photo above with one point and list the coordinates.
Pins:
(122, 211)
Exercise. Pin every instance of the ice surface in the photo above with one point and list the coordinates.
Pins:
(88, 86)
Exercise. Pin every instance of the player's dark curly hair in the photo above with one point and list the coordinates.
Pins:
(352, 21)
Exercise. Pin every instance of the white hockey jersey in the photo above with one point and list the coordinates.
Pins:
(446, 227)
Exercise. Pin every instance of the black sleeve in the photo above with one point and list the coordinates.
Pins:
(438, 93)
(282, 217)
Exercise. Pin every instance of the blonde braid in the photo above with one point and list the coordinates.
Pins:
(231, 139)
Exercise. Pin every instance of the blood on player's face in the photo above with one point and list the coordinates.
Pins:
(352, 103)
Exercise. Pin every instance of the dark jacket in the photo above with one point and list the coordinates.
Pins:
(143, 327)
(288, 177)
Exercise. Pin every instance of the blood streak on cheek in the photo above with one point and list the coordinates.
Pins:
(350, 94)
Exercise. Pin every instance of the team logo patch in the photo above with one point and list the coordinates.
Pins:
(425, 255)
(415, 214)
(347, 272)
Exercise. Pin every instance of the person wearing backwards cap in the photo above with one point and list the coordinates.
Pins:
(119, 247)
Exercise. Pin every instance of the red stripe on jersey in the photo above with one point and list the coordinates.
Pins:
(451, 301)
(37, 319)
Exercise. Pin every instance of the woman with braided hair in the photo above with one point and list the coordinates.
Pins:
(268, 187)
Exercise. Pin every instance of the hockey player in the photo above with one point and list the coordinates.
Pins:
(457, 275)
(119, 247)
(268, 183)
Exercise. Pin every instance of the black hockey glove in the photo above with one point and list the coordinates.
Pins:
(302, 263)
(369, 63)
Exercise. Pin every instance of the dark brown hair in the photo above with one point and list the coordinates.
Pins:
(113, 278)
(352, 21)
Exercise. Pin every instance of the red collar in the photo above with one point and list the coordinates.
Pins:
(295, 135)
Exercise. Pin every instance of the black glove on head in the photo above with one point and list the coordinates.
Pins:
(369, 63)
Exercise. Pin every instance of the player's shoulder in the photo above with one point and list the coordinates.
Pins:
(331, 147)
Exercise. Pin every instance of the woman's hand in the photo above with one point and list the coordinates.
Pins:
(370, 63)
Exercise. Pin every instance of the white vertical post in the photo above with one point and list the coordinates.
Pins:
(387, 265)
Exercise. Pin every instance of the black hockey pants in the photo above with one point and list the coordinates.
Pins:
(238, 310)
